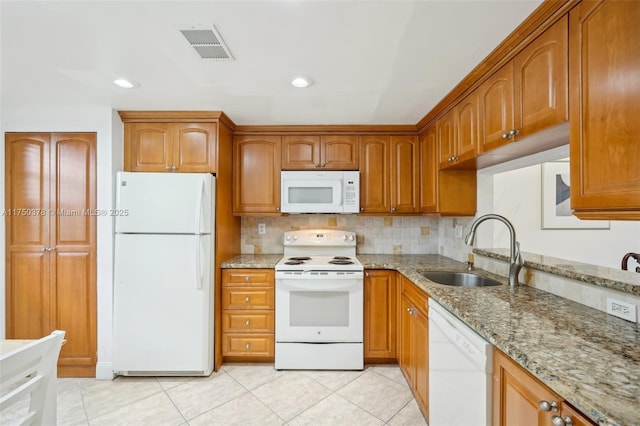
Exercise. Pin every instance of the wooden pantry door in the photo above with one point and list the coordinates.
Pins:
(50, 190)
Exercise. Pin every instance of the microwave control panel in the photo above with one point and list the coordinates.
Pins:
(351, 192)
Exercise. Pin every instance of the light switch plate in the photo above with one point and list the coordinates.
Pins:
(262, 229)
(622, 310)
(458, 231)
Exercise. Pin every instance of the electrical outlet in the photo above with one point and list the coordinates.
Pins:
(458, 231)
(622, 310)
(262, 229)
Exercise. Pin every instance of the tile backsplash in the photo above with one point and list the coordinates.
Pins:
(375, 234)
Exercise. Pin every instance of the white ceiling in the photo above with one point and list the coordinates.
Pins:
(373, 62)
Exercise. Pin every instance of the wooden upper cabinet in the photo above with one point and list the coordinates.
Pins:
(148, 147)
(300, 152)
(256, 174)
(444, 191)
(540, 81)
(374, 174)
(178, 147)
(404, 174)
(429, 170)
(332, 152)
(339, 152)
(194, 147)
(496, 111)
(459, 134)
(529, 93)
(604, 41)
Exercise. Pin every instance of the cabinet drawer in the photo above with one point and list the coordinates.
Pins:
(247, 298)
(247, 321)
(247, 277)
(248, 344)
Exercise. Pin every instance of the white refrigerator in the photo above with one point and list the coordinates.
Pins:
(163, 277)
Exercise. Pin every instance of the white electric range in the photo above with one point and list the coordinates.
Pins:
(319, 302)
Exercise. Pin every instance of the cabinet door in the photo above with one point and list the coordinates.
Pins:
(73, 260)
(148, 147)
(256, 174)
(339, 152)
(604, 41)
(496, 108)
(194, 147)
(374, 174)
(28, 286)
(301, 152)
(517, 395)
(404, 174)
(405, 357)
(467, 137)
(429, 171)
(540, 81)
(446, 138)
(421, 356)
(380, 314)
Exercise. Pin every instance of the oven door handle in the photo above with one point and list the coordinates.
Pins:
(312, 285)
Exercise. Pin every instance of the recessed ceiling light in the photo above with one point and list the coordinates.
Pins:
(301, 82)
(125, 84)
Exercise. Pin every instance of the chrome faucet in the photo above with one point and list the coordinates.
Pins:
(515, 261)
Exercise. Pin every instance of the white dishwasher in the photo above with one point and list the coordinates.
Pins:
(460, 372)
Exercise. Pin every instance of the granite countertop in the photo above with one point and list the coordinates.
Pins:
(589, 358)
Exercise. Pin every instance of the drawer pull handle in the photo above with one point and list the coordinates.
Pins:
(247, 346)
(246, 322)
(246, 299)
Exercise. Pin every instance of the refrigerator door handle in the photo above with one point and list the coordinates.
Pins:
(199, 206)
(198, 266)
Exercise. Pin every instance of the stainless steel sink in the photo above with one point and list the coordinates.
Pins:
(459, 279)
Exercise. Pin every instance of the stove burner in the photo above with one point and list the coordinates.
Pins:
(341, 262)
(341, 258)
(294, 262)
(300, 258)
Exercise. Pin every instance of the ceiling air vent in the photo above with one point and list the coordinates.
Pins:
(207, 43)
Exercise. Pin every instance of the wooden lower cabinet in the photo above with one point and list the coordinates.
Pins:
(380, 309)
(519, 398)
(248, 301)
(413, 347)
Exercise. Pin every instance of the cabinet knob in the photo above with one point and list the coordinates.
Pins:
(505, 136)
(514, 132)
(246, 299)
(361, 209)
(317, 166)
(393, 209)
(561, 421)
(168, 168)
(548, 406)
(455, 158)
(247, 322)
(174, 168)
(322, 165)
(277, 209)
(247, 346)
(366, 274)
(247, 277)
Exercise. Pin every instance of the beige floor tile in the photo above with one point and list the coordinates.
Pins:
(334, 380)
(171, 382)
(392, 372)
(199, 396)
(410, 415)
(291, 394)
(103, 396)
(70, 404)
(377, 394)
(252, 376)
(335, 410)
(157, 410)
(245, 410)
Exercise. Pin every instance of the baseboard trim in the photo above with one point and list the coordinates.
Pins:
(104, 371)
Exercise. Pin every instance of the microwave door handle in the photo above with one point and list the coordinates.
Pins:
(338, 199)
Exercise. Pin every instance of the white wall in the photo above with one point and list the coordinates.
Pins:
(516, 194)
(106, 123)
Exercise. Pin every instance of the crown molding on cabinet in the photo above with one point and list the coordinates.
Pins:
(176, 117)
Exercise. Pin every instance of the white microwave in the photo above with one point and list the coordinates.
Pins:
(320, 192)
